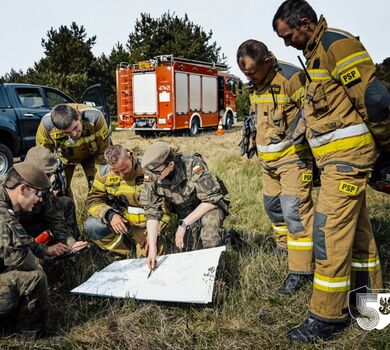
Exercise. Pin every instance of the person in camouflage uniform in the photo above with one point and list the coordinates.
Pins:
(23, 283)
(117, 222)
(56, 212)
(78, 134)
(196, 195)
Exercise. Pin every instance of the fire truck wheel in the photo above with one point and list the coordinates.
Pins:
(194, 129)
(229, 121)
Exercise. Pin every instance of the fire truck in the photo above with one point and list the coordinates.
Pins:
(168, 93)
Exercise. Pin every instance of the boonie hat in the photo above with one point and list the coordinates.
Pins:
(43, 158)
(32, 175)
(155, 155)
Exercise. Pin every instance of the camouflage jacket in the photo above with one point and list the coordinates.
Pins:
(93, 141)
(111, 192)
(18, 251)
(190, 184)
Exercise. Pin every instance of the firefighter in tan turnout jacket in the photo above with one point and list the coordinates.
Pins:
(196, 195)
(343, 101)
(23, 283)
(284, 155)
(117, 222)
(77, 134)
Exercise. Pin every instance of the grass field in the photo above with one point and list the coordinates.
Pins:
(247, 312)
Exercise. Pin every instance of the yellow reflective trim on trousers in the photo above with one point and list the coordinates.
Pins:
(293, 149)
(331, 284)
(343, 144)
(114, 243)
(371, 264)
(304, 243)
(349, 61)
(280, 230)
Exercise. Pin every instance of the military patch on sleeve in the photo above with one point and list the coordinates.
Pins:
(307, 177)
(197, 169)
(351, 77)
(113, 180)
(58, 135)
(348, 188)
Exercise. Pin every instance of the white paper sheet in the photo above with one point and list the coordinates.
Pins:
(183, 277)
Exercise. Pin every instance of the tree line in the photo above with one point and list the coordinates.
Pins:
(69, 64)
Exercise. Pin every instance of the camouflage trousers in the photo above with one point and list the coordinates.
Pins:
(207, 232)
(23, 299)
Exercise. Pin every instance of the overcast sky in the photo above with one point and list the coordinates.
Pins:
(25, 22)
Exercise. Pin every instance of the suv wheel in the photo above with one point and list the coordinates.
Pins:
(6, 159)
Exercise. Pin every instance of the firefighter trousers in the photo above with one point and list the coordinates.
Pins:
(130, 244)
(289, 206)
(23, 298)
(346, 256)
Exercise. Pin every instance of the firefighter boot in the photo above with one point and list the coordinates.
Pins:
(313, 329)
(293, 283)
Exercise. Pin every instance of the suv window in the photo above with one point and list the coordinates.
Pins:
(2, 100)
(55, 97)
(30, 97)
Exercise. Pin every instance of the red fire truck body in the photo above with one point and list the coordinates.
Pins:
(169, 93)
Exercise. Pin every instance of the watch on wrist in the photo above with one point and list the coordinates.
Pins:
(183, 224)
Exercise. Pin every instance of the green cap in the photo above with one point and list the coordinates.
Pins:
(43, 158)
(32, 175)
(155, 155)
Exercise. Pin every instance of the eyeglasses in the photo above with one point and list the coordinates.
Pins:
(39, 193)
(158, 172)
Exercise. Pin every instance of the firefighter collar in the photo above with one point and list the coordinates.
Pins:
(315, 38)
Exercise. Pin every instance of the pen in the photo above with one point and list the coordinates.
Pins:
(158, 263)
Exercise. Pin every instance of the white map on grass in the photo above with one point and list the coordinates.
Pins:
(183, 277)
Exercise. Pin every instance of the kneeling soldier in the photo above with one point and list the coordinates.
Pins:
(23, 283)
(197, 196)
(117, 222)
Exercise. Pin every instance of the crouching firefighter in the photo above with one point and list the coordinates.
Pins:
(196, 195)
(117, 222)
(284, 156)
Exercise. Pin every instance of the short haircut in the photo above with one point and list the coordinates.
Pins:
(63, 116)
(254, 49)
(292, 11)
(113, 153)
(13, 179)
